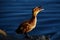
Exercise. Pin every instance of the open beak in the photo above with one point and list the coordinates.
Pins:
(42, 9)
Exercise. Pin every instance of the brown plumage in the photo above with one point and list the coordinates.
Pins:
(29, 25)
(3, 33)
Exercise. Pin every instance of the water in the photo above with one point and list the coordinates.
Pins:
(13, 12)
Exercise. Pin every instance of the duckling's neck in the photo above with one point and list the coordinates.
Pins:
(34, 14)
(33, 20)
(34, 17)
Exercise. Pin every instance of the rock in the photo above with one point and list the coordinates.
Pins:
(33, 37)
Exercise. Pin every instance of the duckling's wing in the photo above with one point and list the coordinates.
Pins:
(24, 27)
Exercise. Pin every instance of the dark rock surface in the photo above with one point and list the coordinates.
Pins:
(34, 37)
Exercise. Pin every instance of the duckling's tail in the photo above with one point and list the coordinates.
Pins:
(3, 33)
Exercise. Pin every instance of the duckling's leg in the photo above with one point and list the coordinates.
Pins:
(27, 35)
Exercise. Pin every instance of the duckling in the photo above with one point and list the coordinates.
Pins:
(3, 33)
(29, 25)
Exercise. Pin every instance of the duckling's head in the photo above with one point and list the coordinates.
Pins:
(36, 10)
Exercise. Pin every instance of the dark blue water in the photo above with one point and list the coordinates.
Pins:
(13, 12)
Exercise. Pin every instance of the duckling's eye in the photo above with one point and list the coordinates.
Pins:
(36, 9)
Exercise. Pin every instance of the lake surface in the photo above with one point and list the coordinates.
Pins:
(13, 12)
